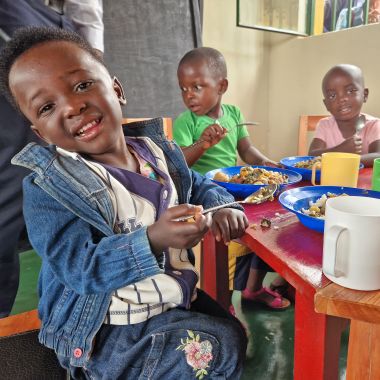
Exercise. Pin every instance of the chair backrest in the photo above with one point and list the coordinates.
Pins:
(21, 354)
(167, 122)
(308, 123)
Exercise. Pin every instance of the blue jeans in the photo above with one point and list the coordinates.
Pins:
(177, 344)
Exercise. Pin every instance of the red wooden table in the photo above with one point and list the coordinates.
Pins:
(295, 252)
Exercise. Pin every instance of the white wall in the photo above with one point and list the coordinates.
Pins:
(274, 78)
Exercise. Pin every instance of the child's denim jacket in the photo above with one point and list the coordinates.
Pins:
(69, 217)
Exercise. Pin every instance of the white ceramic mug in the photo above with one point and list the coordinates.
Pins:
(351, 242)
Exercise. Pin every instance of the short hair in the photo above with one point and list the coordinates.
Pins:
(213, 58)
(28, 37)
(354, 71)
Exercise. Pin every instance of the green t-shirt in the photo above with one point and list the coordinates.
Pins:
(188, 128)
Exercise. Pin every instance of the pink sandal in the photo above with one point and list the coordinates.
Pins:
(277, 303)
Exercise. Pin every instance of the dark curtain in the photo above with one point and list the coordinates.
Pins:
(144, 41)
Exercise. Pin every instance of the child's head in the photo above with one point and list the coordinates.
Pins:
(344, 92)
(202, 78)
(62, 86)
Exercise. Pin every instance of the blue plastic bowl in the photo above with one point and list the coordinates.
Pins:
(239, 190)
(296, 199)
(289, 163)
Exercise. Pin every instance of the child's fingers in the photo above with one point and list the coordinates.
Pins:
(183, 210)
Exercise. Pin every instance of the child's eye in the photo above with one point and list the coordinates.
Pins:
(183, 89)
(331, 96)
(44, 109)
(84, 85)
(351, 91)
(197, 87)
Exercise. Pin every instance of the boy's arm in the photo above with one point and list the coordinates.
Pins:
(373, 153)
(82, 257)
(194, 152)
(317, 147)
(183, 132)
(351, 145)
(251, 155)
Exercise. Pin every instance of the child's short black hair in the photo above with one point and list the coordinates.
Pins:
(213, 58)
(24, 39)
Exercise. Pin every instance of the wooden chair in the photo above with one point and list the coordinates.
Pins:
(308, 123)
(167, 121)
(21, 354)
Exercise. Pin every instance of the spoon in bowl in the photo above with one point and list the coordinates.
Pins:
(259, 196)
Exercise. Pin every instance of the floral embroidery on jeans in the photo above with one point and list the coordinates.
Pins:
(198, 354)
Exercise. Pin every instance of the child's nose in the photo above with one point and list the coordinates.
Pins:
(342, 97)
(73, 109)
(190, 94)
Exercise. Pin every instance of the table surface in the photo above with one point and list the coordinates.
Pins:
(348, 303)
(292, 249)
(295, 252)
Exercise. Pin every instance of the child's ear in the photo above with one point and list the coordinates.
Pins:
(366, 92)
(223, 85)
(119, 91)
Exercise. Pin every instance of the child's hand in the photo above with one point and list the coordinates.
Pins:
(271, 163)
(228, 224)
(212, 135)
(167, 232)
(352, 145)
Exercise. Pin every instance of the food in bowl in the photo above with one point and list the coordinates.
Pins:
(308, 164)
(317, 209)
(221, 177)
(253, 176)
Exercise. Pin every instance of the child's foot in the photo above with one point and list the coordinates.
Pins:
(267, 297)
(282, 287)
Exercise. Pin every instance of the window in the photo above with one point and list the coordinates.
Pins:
(306, 17)
(274, 15)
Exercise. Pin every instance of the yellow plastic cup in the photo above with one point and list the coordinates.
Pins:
(338, 169)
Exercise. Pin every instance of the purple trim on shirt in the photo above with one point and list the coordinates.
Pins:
(157, 193)
(140, 147)
(138, 184)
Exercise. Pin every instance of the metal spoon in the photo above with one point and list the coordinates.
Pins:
(248, 123)
(259, 196)
(360, 123)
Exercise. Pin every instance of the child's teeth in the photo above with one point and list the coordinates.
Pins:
(87, 126)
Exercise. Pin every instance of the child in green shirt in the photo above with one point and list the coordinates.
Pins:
(209, 138)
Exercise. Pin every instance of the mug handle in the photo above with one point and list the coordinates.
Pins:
(313, 170)
(331, 240)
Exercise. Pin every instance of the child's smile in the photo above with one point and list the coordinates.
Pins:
(89, 130)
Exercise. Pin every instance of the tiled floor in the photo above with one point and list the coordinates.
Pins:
(270, 351)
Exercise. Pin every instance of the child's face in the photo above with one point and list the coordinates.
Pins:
(201, 91)
(69, 98)
(344, 95)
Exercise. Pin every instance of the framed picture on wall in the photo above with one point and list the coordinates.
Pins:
(374, 11)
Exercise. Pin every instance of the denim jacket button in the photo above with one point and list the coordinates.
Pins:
(78, 352)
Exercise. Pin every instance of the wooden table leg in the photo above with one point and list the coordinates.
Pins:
(316, 341)
(215, 270)
(363, 361)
